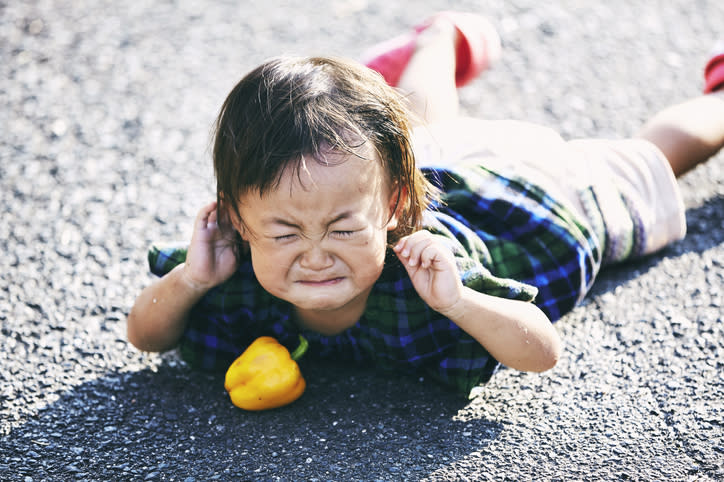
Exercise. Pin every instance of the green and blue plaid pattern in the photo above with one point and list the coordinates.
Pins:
(510, 240)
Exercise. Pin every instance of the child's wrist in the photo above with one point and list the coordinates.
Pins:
(191, 286)
(458, 309)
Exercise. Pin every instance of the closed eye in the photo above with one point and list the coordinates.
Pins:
(343, 234)
(285, 237)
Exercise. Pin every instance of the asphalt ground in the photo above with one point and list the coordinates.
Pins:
(106, 109)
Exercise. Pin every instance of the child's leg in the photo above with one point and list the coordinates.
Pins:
(428, 81)
(448, 50)
(689, 133)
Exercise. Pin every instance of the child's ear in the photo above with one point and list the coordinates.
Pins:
(228, 216)
(396, 206)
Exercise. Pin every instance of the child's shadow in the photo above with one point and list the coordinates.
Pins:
(351, 423)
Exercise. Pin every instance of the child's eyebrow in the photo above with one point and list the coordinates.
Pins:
(283, 222)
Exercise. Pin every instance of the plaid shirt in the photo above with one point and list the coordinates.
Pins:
(510, 240)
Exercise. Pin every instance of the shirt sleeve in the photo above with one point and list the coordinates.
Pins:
(469, 250)
(518, 231)
(400, 331)
(163, 258)
(229, 317)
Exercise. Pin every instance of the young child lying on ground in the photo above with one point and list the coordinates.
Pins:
(388, 230)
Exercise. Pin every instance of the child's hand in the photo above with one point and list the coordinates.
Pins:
(432, 269)
(210, 259)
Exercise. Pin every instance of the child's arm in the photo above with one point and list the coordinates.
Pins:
(159, 315)
(516, 333)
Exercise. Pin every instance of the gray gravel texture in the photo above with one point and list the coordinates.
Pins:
(106, 109)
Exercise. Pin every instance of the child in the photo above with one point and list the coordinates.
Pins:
(445, 250)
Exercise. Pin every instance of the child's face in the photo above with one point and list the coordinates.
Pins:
(319, 240)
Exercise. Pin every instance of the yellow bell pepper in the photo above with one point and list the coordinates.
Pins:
(265, 375)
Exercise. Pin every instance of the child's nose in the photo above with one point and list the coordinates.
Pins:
(316, 258)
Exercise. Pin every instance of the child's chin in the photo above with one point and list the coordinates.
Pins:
(321, 305)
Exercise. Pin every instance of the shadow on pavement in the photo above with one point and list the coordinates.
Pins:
(350, 422)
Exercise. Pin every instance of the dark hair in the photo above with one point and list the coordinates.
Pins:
(292, 108)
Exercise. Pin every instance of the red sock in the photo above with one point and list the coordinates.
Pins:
(714, 74)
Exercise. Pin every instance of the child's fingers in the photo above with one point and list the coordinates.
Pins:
(206, 216)
(212, 217)
(429, 255)
(414, 245)
(206, 210)
(400, 245)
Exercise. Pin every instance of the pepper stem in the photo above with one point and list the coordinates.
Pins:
(301, 349)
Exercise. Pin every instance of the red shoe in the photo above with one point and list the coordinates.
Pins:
(478, 48)
(714, 71)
